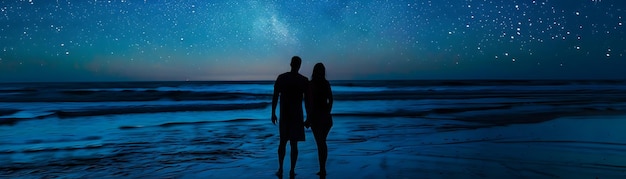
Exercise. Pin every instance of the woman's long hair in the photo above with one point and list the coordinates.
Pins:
(319, 72)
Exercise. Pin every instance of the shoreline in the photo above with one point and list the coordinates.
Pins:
(387, 148)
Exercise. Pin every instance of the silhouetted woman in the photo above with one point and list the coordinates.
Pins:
(318, 117)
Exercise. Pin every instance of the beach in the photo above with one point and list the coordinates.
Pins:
(381, 130)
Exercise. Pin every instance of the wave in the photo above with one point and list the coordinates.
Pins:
(156, 109)
(4, 112)
(488, 115)
(26, 101)
(98, 110)
(173, 124)
(180, 91)
(410, 83)
(132, 91)
(85, 95)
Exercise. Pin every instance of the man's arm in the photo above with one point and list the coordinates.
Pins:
(275, 103)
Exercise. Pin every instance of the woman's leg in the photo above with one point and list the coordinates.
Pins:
(320, 134)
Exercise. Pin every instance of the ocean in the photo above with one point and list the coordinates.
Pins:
(95, 129)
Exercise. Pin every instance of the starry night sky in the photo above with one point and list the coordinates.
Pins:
(119, 40)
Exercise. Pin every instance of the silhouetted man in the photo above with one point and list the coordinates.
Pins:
(291, 87)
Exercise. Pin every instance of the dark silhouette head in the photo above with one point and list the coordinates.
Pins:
(319, 72)
(295, 63)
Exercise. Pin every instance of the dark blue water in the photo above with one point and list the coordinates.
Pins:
(77, 127)
(42, 100)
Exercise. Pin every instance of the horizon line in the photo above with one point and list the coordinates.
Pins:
(442, 79)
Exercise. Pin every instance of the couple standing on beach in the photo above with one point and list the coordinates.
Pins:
(292, 88)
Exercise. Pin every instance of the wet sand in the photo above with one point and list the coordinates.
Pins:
(359, 147)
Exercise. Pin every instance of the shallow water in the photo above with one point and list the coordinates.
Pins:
(398, 129)
(371, 147)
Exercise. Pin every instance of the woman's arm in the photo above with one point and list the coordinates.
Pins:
(330, 98)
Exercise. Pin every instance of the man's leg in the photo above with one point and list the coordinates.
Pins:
(281, 156)
(294, 156)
